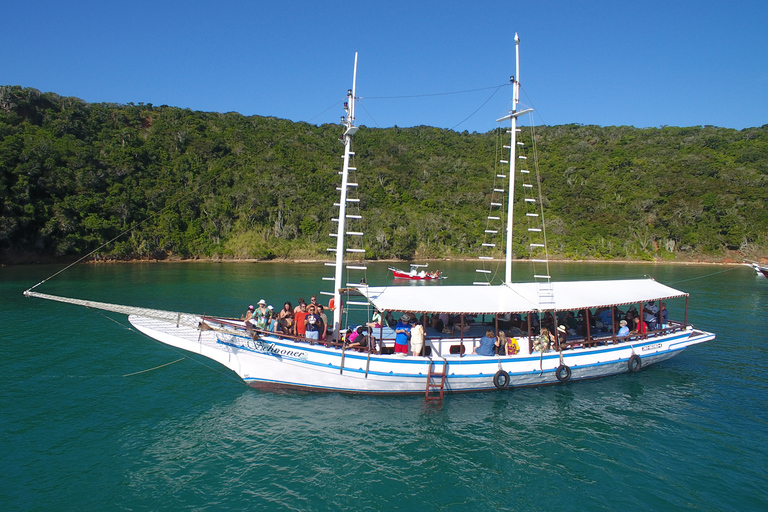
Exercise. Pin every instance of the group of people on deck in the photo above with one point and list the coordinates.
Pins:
(630, 323)
(491, 345)
(602, 320)
(305, 320)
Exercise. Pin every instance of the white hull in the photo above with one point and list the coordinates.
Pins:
(271, 362)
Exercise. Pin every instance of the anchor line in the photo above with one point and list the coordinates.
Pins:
(155, 368)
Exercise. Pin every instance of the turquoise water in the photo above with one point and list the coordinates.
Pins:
(81, 429)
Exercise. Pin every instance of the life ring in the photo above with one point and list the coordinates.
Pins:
(563, 373)
(634, 363)
(332, 304)
(501, 379)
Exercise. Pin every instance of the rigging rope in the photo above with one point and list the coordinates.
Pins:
(434, 94)
(478, 108)
(708, 275)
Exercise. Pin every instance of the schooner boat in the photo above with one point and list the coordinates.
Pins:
(266, 360)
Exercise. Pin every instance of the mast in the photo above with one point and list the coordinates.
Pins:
(512, 161)
(350, 129)
(513, 115)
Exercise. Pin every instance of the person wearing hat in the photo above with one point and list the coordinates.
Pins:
(623, 330)
(402, 333)
(262, 315)
(562, 334)
(313, 323)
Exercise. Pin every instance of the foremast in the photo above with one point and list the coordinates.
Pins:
(350, 129)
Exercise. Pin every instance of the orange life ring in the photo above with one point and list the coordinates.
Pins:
(332, 304)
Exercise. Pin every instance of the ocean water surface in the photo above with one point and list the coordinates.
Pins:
(96, 416)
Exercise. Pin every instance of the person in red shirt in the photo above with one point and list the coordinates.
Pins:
(301, 328)
(641, 328)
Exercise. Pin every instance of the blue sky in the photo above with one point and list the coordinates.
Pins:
(644, 63)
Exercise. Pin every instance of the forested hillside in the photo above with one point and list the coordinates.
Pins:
(191, 184)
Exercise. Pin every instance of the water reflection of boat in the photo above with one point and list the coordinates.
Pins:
(416, 274)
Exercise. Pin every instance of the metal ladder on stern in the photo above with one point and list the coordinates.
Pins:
(434, 391)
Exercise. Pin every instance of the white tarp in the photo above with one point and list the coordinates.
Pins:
(515, 298)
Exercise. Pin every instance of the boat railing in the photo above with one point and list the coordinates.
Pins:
(443, 346)
(603, 339)
(328, 343)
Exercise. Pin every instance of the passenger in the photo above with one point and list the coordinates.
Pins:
(572, 323)
(402, 333)
(512, 346)
(313, 301)
(298, 318)
(313, 323)
(651, 315)
(606, 318)
(487, 344)
(548, 321)
(624, 330)
(543, 342)
(286, 318)
(352, 334)
(641, 328)
(262, 316)
(249, 314)
(321, 312)
(298, 306)
(501, 343)
(390, 319)
(533, 321)
(631, 314)
(437, 323)
(375, 322)
(664, 316)
(274, 324)
(358, 339)
(562, 336)
(417, 337)
(446, 320)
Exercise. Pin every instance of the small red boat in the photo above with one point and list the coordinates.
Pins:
(760, 269)
(416, 274)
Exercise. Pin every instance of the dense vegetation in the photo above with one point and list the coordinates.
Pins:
(190, 184)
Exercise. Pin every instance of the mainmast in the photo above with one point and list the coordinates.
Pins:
(513, 146)
(350, 129)
(513, 115)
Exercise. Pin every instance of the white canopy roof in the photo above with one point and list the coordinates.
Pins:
(515, 298)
